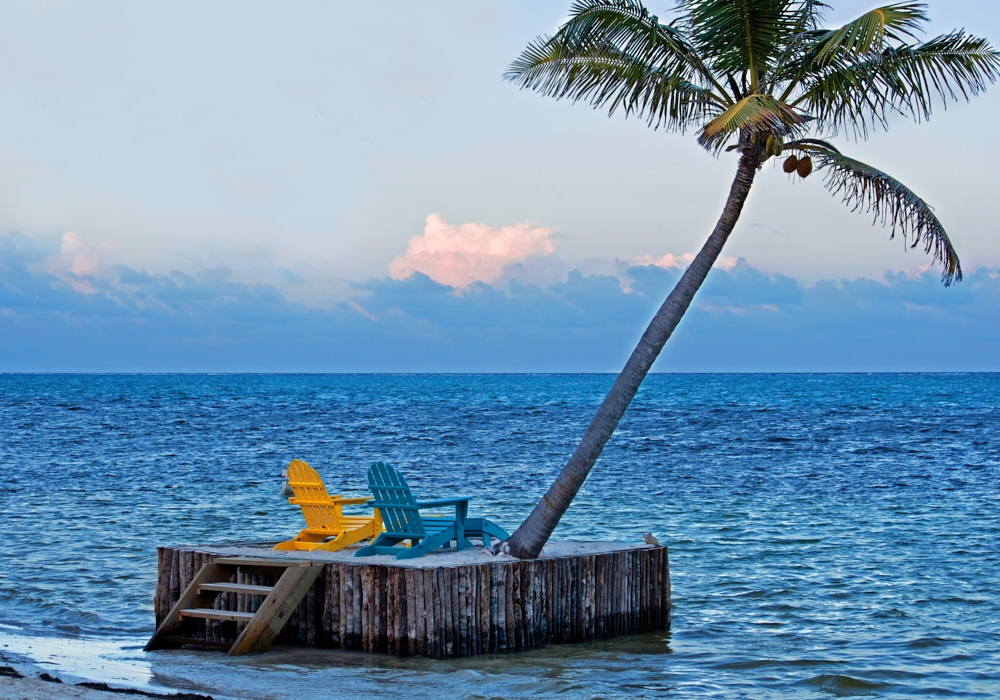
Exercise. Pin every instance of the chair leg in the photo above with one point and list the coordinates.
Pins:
(301, 541)
(346, 539)
(428, 544)
(382, 545)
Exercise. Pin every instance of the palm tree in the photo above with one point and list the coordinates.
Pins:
(762, 78)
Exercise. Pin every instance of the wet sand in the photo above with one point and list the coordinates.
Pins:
(21, 679)
(12, 688)
(34, 689)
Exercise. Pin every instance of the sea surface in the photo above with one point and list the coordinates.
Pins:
(830, 535)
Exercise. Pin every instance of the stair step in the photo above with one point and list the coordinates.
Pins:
(265, 562)
(209, 614)
(235, 588)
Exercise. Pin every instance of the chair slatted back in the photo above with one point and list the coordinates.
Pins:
(395, 501)
(322, 514)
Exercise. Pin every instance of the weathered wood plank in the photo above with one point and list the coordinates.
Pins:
(510, 619)
(430, 606)
(455, 611)
(484, 608)
(392, 611)
(367, 603)
(494, 638)
(212, 614)
(461, 621)
(356, 612)
(420, 617)
(346, 605)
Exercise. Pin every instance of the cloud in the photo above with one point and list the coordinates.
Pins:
(461, 255)
(742, 320)
(77, 261)
(666, 261)
(82, 259)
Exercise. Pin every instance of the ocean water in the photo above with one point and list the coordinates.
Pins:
(830, 535)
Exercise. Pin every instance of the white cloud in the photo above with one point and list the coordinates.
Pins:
(461, 255)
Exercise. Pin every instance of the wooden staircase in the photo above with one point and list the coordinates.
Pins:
(261, 627)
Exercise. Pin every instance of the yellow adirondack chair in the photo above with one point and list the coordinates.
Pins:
(324, 514)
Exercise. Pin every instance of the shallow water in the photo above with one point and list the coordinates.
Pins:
(830, 535)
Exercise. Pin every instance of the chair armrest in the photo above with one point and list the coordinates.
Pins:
(440, 504)
(378, 504)
(352, 501)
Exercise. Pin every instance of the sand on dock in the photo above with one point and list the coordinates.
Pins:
(441, 557)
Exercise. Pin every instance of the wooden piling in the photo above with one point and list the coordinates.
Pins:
(444, 611)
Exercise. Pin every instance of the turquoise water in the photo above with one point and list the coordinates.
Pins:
(830, 535)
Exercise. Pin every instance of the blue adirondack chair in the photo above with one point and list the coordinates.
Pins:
(401, 516)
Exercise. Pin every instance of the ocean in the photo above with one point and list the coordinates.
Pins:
(829, 534)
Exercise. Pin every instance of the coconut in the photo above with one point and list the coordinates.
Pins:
(790, 164)
(804, 167)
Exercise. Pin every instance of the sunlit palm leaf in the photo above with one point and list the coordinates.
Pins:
(754, 114)
(869, 32)
(629, 27)
(868, 189)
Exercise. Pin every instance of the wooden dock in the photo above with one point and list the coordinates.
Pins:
(442, 605)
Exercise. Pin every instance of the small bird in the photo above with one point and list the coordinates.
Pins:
(649, 539)
(286, 489)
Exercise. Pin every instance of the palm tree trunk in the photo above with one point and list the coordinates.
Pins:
(529, 538)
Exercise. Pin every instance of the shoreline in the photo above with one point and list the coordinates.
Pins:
(22, 687)
(22, 677)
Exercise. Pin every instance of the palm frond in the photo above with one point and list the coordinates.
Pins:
(952, 66)
(624, 26)
(605, 77)
(869, 31)
(614, 54)
(810, 13)
(906, 79)
(754, 114)
(745, 37)
(864, 188)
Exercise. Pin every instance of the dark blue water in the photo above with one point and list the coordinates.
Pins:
(829, 534)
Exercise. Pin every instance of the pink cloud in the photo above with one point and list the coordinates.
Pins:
(679, 261)
(79, 257)
(726, 263)
(665, 261)
(77, 263)
(461, 255)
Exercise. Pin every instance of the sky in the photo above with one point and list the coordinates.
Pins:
(312, 186)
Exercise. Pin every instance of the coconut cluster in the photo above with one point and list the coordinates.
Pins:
(802, 166)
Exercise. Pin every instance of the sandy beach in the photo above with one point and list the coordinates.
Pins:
(25, 681)
(34, 689)
(25, 688)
